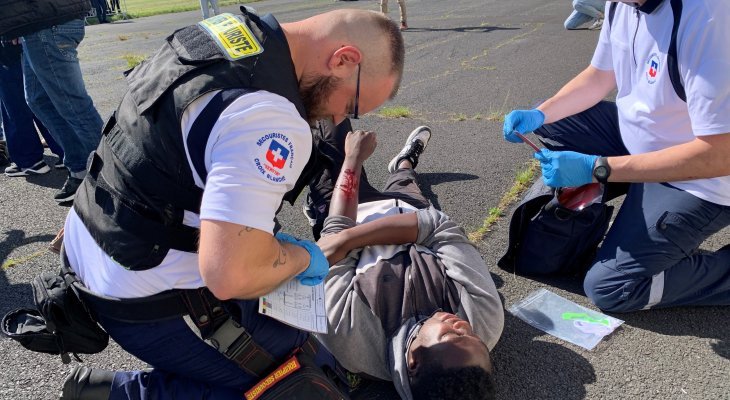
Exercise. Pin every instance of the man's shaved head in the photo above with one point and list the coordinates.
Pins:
(376, 35)
(346, 60)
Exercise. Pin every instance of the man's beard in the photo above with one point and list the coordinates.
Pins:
(315, 91)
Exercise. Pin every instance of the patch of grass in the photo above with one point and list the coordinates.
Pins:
(13, 262)
(522, 180)
(498, 114)
(133, 59)
(459, 117)
(123, 38)
(495, 116)
(395, 112)
(145, 8)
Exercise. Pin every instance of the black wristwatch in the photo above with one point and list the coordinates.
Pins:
(601, 170)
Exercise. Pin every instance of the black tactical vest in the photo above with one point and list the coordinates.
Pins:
(139, 180)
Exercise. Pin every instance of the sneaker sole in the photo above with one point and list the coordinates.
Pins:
(29, 172)
(65, 199)
(392, 165)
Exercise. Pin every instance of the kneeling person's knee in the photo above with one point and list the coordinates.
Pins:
(611, 290)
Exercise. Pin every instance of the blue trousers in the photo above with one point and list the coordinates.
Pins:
(584, 11)
(184, 367)
(55, 91)
(650, 256)
(24, 145)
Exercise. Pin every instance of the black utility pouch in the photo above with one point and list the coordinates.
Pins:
(298, 378)
(61, 324)
(547, 239)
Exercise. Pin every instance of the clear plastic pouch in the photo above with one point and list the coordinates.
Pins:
(564, 319)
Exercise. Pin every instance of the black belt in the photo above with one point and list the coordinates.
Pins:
(205, 310)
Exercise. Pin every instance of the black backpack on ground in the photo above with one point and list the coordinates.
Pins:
(547, 239)
(60, 323)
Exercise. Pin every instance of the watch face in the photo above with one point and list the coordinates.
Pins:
(601, 172)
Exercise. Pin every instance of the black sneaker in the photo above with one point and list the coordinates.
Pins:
(36, 169)
(68, 191)
(4, 159)
(415, 144)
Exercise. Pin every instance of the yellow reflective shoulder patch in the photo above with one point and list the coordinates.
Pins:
(232, 36)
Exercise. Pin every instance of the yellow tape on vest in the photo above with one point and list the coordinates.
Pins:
(280, 373)
(232, 36)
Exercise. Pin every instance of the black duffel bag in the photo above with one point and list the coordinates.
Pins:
(549, 239)
(60, 324)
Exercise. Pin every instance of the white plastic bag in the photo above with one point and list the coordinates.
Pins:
(564, 319)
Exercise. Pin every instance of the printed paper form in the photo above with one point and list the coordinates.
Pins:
(297, 305)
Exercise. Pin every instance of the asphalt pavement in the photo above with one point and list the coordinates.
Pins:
(468, 62)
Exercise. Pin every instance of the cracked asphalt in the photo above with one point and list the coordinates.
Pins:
(468, 62)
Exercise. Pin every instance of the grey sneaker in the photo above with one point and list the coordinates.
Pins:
(38, 168)
(415, 144)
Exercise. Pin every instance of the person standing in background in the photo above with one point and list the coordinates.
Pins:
(21, 137)
(206, 11)
(402, 6)
(4, 160)
(101, 10)
(51, 30)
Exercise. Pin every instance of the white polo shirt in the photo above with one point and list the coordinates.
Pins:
(651, 116)
(256, 151)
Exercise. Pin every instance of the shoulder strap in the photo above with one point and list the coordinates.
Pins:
(672, 60)
(611, 12)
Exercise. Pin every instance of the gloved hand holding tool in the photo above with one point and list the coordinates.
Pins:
(318, 265)
(524, 121)
(566, 168)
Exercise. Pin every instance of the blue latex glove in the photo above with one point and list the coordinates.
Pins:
(318, 265)
(522, 121)
(566, 168)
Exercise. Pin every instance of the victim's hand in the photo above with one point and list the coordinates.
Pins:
(360, 145)
(333, 247)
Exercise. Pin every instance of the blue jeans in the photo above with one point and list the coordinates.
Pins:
(584, 11)
(650, 256)
(184, 367)
(24, 146)
(55, 91)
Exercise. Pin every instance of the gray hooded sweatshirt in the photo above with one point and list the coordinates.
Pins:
(376, 296)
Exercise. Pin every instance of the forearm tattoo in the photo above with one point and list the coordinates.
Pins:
(245, 229)
(347, 184)
(282, 257)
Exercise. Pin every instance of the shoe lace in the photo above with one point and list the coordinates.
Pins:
(416, 148)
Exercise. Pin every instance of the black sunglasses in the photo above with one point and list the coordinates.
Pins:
(355, 112)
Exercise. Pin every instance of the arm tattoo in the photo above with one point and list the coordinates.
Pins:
(282, 257)
(347, 183)
(245, 229)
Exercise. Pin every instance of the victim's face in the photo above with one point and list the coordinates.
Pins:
(450, 340)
